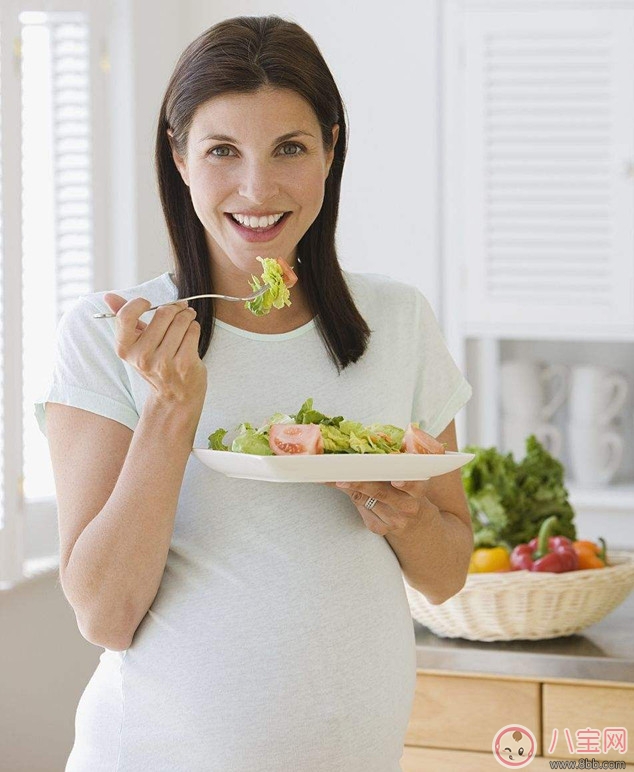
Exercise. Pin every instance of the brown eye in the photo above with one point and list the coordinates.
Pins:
(300, 148)
(219, 147)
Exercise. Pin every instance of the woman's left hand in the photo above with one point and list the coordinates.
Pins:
(400, 507)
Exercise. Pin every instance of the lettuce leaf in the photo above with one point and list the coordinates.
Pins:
(216, 440)
(252, 440)
(306, 415)
(277, 296)
(510, 500)
(376, 438)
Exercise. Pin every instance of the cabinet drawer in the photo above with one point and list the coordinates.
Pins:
(586, 707)
(436, 760)
(466, 713)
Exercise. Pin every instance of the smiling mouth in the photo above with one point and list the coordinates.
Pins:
(259, 235)
(259, 230)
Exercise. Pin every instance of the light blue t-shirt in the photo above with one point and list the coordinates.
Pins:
(280, 637)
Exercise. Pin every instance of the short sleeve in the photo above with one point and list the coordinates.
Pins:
(441, 388)
(87, 371)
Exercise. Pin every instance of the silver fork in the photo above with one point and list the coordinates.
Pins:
(193, 297)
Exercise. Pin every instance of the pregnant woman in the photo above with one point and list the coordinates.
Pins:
(248, 626)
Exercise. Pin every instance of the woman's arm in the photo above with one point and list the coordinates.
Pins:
(427, 524)
(435, 555)
(117, 493)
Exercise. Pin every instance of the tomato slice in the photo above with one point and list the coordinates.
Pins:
(415, 440)
(295, 439)
(288, 274)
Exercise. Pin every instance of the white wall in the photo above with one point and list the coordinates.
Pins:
(383, 59)
(45, 665)
(145, 43)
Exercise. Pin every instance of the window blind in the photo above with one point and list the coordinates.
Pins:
(50, 89)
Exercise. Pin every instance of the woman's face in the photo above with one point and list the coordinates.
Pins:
(242, 160)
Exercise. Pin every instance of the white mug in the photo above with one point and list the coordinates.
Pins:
(524, 385)
(595, 452)
(515, 430)
(596, 394)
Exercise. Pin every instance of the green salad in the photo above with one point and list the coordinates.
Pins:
(337, 434)
(277, 296)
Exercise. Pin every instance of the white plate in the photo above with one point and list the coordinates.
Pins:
(332, 467)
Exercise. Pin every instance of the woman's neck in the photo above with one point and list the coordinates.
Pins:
(278, 320)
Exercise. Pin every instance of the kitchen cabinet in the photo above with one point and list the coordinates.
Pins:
(463, 713)
(434, 760)
(578, 707)
(548, 168)
(466, 691)
(538, 207)
(456, 715)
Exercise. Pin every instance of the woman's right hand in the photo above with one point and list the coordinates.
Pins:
(164, 351)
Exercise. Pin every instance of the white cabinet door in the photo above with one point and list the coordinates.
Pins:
(547, 172)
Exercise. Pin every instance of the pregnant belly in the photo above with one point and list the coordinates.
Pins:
(317, 665)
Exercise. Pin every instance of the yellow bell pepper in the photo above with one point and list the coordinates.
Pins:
(486, 559)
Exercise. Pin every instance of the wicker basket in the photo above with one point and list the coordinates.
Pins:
(525, 605)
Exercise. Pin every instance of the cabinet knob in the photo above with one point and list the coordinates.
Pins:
(629, 170)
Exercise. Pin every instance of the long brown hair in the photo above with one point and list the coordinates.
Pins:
(242, 55)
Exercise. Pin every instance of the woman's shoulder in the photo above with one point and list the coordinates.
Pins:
(77, 318)
(381, 292)
(159, 289)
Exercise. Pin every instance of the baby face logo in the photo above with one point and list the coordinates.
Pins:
(514, 746)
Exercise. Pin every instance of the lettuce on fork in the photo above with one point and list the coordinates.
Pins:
(277, 296)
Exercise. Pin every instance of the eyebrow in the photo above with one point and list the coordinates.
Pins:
(226, 138)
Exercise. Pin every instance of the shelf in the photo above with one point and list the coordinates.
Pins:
(614, 498)
(504, 331)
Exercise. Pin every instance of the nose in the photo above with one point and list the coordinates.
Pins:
(258, 183)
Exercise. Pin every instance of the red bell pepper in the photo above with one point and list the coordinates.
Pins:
(555, 554)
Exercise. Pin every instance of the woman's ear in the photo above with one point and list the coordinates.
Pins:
(181, 163)
(331, 152)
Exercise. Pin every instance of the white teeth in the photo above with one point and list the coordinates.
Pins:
(257, 222)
